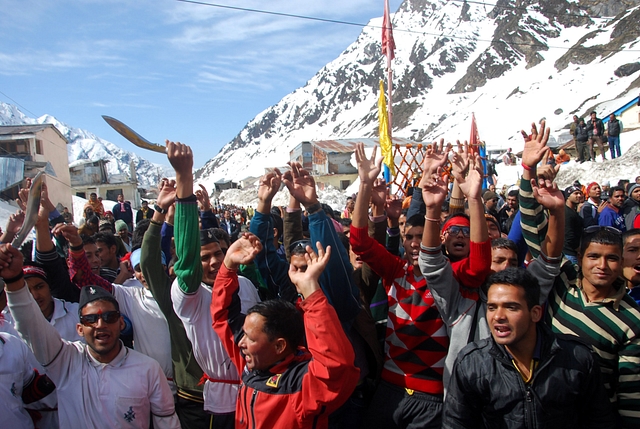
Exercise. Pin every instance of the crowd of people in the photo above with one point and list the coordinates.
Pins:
(459, 307)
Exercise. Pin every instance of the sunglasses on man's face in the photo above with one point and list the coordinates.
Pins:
(92, 319)
(299, 246)
(457, 229)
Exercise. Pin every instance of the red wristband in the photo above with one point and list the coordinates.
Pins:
(526, 167)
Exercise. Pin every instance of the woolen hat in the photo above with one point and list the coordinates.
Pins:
(121, 225)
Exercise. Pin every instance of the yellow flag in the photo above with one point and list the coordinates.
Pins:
(386, 146)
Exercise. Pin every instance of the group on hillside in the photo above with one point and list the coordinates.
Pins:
(587, 135)
(459, 307)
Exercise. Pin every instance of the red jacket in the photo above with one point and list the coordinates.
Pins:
(302, 390)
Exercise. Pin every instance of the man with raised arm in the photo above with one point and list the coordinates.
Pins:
(100, 384)
(284, 385)
(463, 313)
(199, 260)
(152, 271)
(411, 389)
(594, 305)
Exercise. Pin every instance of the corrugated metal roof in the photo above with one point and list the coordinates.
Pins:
(349, 145)
(28, 129)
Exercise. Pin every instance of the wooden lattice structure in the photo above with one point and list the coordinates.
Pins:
(408, 163)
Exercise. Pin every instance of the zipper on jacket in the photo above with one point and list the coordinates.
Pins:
(253, 401)
(245, 412)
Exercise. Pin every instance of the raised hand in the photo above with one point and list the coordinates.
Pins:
(300, 184)
(180, 156)
(379, 193)
(547, 194)
(436, 157)
(471, 184)
(10, 262)
(203, 198)
(306, 280)
(242, 251)
(15, 223)
(270, 185)
(167, 193)
(434, 189)
(547, 171)
(368, 169)
(393, 208)
(69, 232)
(535, 145)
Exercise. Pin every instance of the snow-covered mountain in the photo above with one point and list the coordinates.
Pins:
(511, 62)
(86, 145)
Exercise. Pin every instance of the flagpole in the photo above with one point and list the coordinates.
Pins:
(389, 53)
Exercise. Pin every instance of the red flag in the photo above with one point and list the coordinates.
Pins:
(388, 45)
(474, 140)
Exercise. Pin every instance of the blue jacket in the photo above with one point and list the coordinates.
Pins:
(609, 216)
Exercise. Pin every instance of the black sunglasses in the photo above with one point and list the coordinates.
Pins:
(299, 246)
(456, 229)
(92, 319)
(597, 228)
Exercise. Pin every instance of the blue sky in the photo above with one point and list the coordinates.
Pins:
(169, 69)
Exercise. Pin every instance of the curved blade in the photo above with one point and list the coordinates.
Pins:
(33, 205)
(132, 136)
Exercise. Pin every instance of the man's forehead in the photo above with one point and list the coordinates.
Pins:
(603, 249)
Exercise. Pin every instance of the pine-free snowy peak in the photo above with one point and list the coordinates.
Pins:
(509, 62)
(86, 145)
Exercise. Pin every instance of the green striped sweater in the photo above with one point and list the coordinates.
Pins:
(611, 327)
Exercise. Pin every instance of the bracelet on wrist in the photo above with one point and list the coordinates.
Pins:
(76, 248)
(430, 219)
(526, 167)
(14, 279)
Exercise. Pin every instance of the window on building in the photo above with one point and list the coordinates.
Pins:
(344, 184)
(39, 147)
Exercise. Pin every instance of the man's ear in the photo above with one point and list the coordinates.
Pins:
(280, 345)
(80, 329)
(536, 313)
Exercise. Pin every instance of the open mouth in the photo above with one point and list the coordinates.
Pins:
(102, 337)
(502, 331)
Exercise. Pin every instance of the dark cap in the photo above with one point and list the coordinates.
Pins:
(33, 271)
(571, 189)
(208, 236)
(489, 195)
(95, 293)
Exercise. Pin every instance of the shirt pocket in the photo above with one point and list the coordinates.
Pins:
(133, 412)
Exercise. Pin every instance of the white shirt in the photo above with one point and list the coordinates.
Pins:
(119, 394)
(150, 328)
(17, 365)
(194, 311)
(64, 319)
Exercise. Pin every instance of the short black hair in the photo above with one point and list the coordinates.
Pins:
(282, 320)
(513, 193)
(278, 224)
(630, 233)
(345, 222)
(617, 189)
(504, 243)
(415, 220)
(518, 277)
(222, 235)
(105, 237)
(87, 239)
(603, 235)
(138, 233)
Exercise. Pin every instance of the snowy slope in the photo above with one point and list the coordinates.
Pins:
(510, 66)
(86, 145)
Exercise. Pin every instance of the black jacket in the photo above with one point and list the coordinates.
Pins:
(486, 391)
(599, 126)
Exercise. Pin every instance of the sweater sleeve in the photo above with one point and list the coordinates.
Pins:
(188, 268)
(58, 275)
(386, 265)
(274, 269)
(533, 218)
(336, 280)
(154, 273)
(81, 273)
(473, 270)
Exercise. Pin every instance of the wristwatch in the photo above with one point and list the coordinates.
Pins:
(160, 209)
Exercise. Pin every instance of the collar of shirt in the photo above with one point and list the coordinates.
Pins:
(116, 362)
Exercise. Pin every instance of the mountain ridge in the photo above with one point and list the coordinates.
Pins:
(553, 60)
